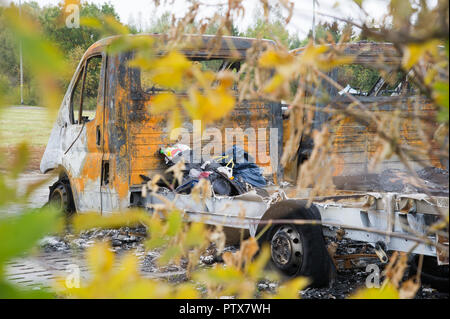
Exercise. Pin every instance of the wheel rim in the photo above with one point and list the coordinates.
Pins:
(286, 248)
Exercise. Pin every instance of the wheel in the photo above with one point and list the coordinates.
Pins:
(286, 249)
(300, 250)
(61, 197)
(432, 274)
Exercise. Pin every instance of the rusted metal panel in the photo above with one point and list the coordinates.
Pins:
(194, 45)
(442, 254)
(369, 53)
(355, 142)
(130, 136)
(150, 133)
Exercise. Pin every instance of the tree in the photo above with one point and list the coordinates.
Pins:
(53, 23)
(72, 41)
(8, 52)
(162, 24)
(275, 29)
(331, 32)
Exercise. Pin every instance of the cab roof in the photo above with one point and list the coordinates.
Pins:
(365, 52)
(194, 45)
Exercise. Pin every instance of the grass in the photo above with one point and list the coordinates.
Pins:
(30, 124)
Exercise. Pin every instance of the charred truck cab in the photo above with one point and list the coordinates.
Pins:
(104, 138)
(104, 141)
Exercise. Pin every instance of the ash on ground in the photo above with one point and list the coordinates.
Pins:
(125, 238)
(346, 281)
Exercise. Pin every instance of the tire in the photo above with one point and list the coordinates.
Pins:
(61, 197)
(433, 275)
(299, 250)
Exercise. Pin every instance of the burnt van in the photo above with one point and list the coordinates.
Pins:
(106, 146)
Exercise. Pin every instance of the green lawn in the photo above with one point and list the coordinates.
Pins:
(21, 123)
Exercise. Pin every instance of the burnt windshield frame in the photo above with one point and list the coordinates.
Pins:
(80, 79)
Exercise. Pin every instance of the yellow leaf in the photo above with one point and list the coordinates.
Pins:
(195, 236)
(311, 53)
(100, 258)
(291, 289)
(140, 62)
(414, 52)
(226, 78)
(163, 102)
(186, 291)
(174, 222)
(222, 102)
(387, 292)
(170, 70)
(116, 26)
(212, 106)
(275, 82)
(203, 78)
(175, 119)
(219, 274)
(272, 59)
(127, 273)
(256, 268)
(91, 220)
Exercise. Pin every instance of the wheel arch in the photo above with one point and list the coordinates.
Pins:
(285, 208)
(63, 176)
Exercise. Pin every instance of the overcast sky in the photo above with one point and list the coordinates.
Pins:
(144, 10)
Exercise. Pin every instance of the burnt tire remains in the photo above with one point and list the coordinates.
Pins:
(432, 274)
(299, 250)
(61, 196)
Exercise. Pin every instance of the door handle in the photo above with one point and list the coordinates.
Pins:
(98, 135)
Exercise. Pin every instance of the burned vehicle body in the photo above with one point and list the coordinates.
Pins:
(385, 197)
(381, 207)
(103, 155)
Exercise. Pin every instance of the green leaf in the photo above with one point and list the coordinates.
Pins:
(359, 2)
(91, 22)
(195, 236)
(42, 54)
(8, 291)
(447, 48)
(156, 242)
(22, 158)
(169, 254)
(18, 234)
(441, 97)
(175, 222)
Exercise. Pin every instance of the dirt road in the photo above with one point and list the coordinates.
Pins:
(58, 256)
(37, 199)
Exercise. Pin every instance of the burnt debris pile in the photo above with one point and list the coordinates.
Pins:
(431, 180)
(231, 174)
